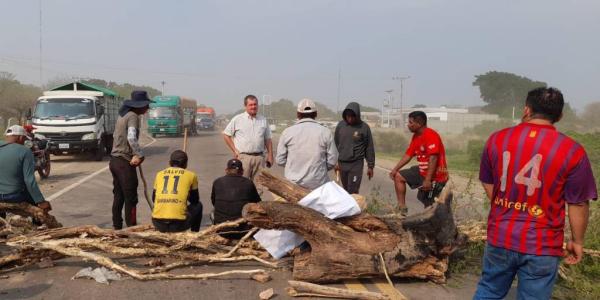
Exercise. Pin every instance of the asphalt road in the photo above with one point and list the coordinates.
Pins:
(81, 193)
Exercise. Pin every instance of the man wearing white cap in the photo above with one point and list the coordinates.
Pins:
(17, 179)
(307, 149)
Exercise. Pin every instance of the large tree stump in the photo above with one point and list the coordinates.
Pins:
(354, 247)
(28, 210)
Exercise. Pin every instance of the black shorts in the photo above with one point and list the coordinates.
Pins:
(415, 180)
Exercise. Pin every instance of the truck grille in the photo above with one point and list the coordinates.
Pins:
(65, 137)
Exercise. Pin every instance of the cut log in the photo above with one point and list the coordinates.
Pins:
(306, 289)
(28, 210)
(417, 246)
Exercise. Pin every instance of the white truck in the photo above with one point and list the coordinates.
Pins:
(77, 117)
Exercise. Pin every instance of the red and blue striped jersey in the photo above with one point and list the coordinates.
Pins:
(534, 169)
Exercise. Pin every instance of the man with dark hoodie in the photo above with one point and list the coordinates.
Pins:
(355, 144)
(126, 156)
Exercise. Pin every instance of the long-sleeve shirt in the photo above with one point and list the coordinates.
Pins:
(18, 171)
(126, 136)
(229, 195)
(308, 152)
(354, 142)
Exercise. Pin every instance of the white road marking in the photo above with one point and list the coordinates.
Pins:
(83, 180)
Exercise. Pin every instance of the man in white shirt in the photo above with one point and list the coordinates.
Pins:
(249, 137)
(307, 149)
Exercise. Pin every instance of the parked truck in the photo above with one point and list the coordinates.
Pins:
(171, 115)
(77, 117)
(205, 118)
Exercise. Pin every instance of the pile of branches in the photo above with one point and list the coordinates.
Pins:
(106, 246)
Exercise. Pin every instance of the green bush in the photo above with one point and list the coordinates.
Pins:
(390, 142)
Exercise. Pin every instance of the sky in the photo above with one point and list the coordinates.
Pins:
(219, 51)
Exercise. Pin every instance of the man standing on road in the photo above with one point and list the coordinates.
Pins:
(248, 136)
(229, 195)
(307, 149)
(17, 179)
(529, 172)
(431, 173)
(354, 142)
(125, 157)
(177, 205)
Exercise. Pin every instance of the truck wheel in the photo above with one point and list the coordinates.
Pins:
(98, 154)
(153, 135)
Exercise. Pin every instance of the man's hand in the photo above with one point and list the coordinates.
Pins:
(45, 206)
(427, 185)
(269, 161)
(136, 161)
(574, 253)
(336, 168)
(393, 174)
(370, 173)
(236, 154)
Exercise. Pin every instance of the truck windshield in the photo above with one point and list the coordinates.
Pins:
(64, 109)
(162, 112)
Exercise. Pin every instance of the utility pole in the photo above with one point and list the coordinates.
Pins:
(339, 89)
(390, 106)
(401, 79)
(162, 89)
(41, 69)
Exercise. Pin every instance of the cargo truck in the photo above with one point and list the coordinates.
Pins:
(77, 117)
(205, 118)
(171, 115)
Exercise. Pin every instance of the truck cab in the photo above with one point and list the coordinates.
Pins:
(76, 120)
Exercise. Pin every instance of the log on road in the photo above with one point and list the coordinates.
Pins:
(416, 247)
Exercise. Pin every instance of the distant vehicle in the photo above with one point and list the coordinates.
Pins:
(77, 117)
(171, 115)
(205, 118)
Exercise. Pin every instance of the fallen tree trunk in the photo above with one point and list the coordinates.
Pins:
(305, 289)
(28, 210)
(417, 246)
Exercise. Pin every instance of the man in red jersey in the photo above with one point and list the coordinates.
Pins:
(529, 172)
(431, 174)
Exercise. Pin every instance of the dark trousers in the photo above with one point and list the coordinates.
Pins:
(125, 184)
(351, 175)
(192, 220)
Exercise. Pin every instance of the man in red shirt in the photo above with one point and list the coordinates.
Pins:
(529, 172)
(431, 174)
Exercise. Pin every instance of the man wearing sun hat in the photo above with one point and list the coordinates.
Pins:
(17, 179)
(307, 149)
(126, 156)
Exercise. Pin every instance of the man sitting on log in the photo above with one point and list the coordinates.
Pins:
(17, 179)
(431, 173)
(307, 149)
(176, 199)
(229, 195)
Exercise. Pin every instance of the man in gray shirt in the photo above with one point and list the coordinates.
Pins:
(306, 149)
(248, 136)
(125, 157)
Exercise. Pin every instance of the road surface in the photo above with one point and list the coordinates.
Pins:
(81, 193)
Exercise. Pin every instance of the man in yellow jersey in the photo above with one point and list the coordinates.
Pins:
(177, 205)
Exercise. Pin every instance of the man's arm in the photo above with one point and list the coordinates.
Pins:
(231, 145)
(578, 219)
(399, 165)
(132, 139)
(332, 152)
(281, 157)
(489, 190)
(193, 196)
(431, 168)
(29, 178)
(269, 146)
(212, 194)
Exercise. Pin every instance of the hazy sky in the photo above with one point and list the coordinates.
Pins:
(218, 51)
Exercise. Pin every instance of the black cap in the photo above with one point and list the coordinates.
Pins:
(234, 164)
(179, 156)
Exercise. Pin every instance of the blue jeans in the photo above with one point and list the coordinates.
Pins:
(536, 274)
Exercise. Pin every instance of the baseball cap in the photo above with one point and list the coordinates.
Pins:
(15, 130)
(307, 106)
(234, 164)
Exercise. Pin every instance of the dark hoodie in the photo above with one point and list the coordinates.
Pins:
(354, 142)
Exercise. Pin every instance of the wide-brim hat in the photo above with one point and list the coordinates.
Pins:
(138, 99)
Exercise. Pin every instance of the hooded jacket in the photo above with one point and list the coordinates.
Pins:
(354, 142)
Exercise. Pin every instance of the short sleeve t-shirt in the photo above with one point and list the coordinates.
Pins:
(425, 145)
(121, 147)
(172, 187)
(535, 170)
